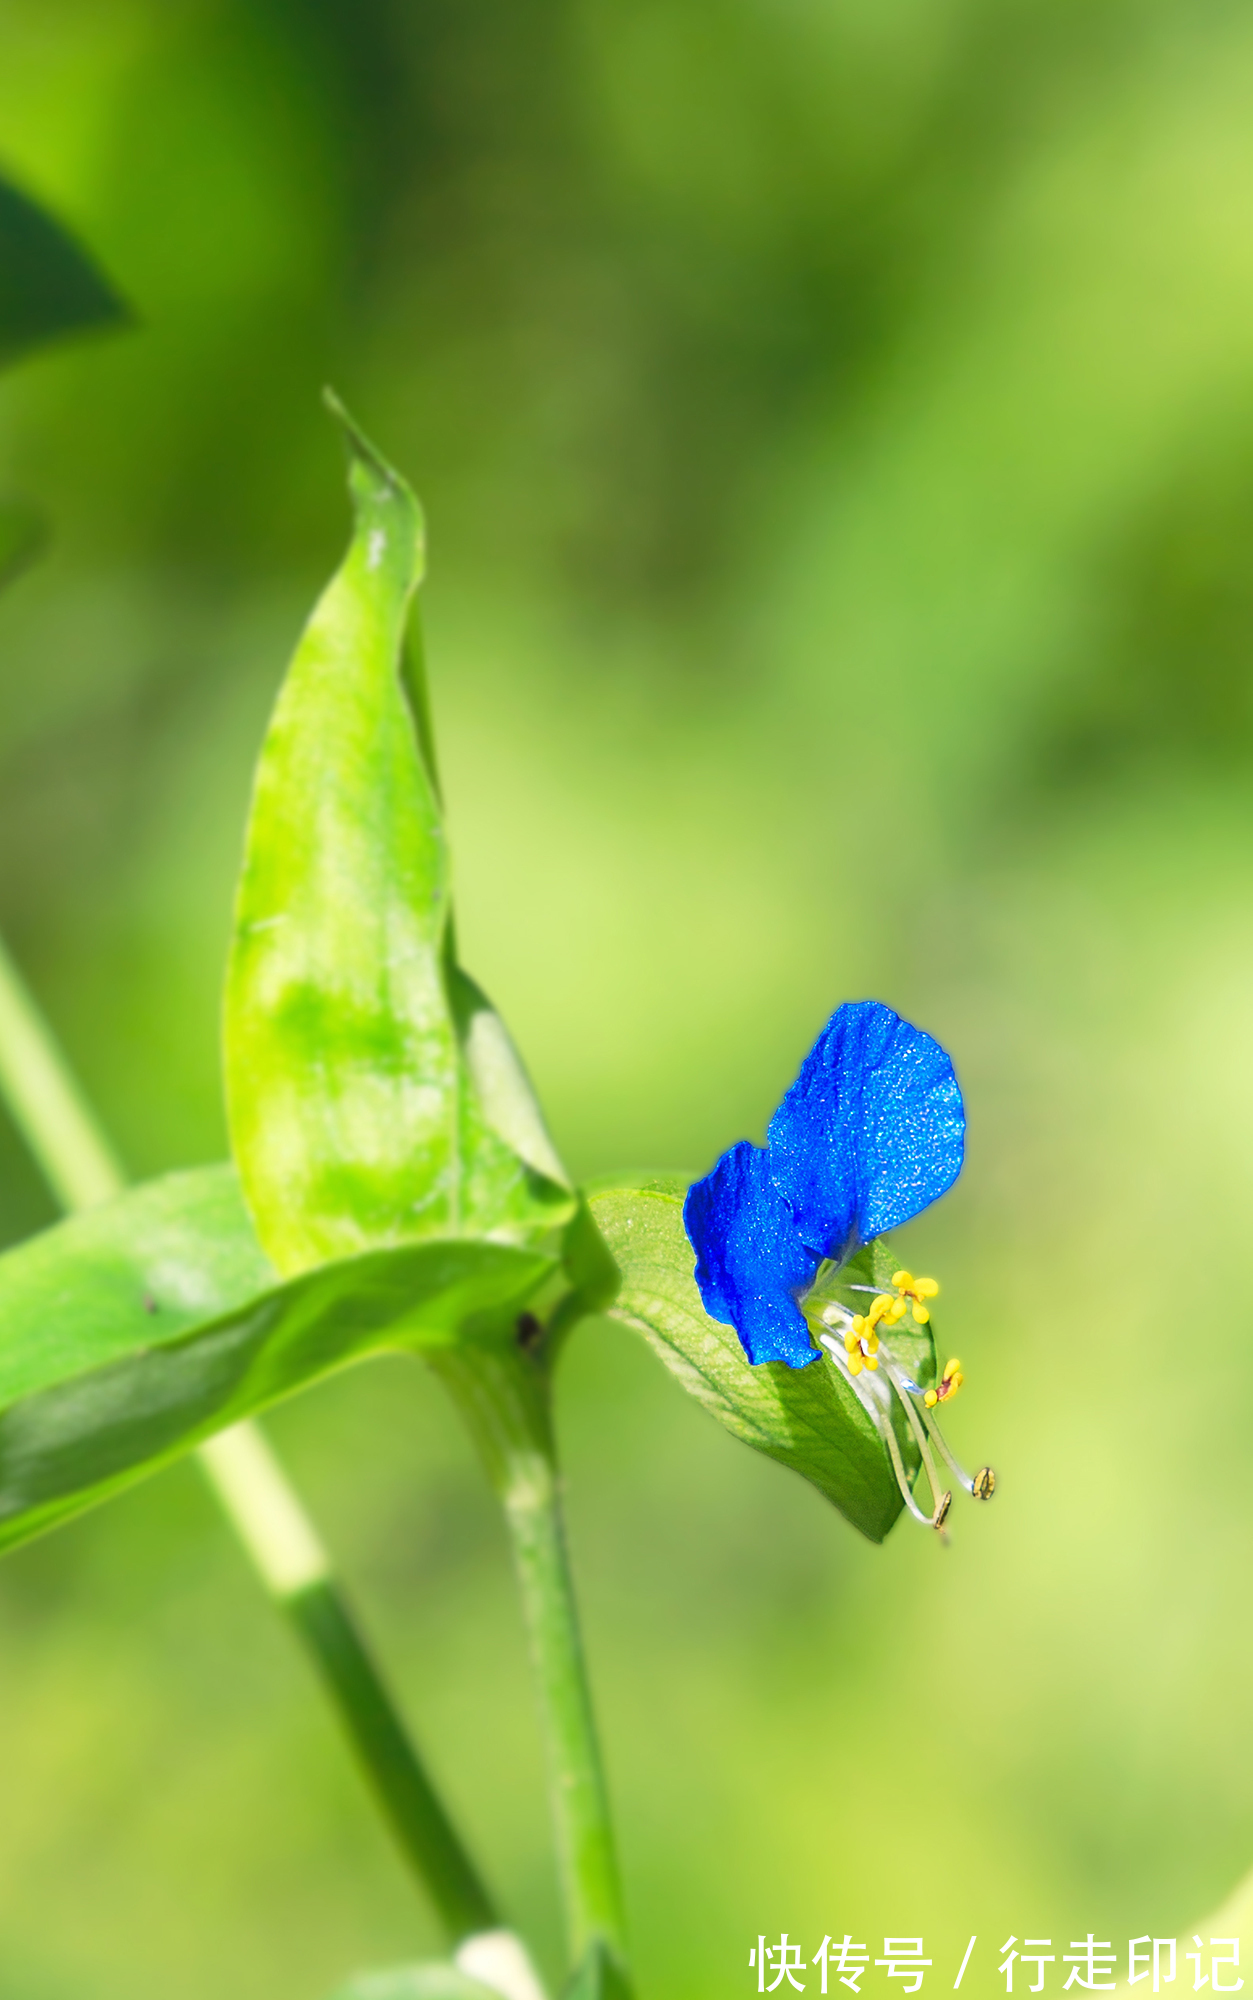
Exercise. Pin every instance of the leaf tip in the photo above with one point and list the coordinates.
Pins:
(370, 477)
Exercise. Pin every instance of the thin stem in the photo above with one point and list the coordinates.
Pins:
(504, 1396)
(255, 1493)
(47, 1105)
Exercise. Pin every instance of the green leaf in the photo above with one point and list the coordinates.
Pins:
(436, 1979)
(374, 1096)
(598, 1977)
(48, 284)
(134, 1330)
(807, 1418)
(23, 533)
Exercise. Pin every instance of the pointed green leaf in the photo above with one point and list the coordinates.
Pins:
(808, 1418)
(356, 1058)
(23, 532)
(48, 284)
(134, 1330)
(436, 1979)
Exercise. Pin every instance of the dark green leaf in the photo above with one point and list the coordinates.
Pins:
(23, 532)
(436, 1979)
(355, 1076)
(48, 284)
(134, 1330)
(807, 1418)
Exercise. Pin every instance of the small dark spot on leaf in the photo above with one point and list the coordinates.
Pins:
(528, 1331)
(150, 1304)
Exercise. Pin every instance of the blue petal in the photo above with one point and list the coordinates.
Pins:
(871, 1131)
(749, 1259)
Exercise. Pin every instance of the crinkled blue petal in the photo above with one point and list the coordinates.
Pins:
(872, 1130)
(750, 1262)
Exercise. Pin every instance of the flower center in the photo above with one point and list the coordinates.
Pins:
(861, 1345)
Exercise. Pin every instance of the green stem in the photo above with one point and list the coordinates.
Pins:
(403, 1790)
(267, 1514)
(505, 1397)
(258, 1498)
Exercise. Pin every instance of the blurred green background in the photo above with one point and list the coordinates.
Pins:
(835, 420)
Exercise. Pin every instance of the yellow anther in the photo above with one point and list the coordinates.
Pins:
(950, 1382)
(861, 1344)
(916, 1290)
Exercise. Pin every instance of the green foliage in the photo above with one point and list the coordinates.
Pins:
(436, 1979)
(830, 416)
(354, 1050)
(131, 1332)
(48, 284)
(22, 535)
(598, 1976)
(808, 1419)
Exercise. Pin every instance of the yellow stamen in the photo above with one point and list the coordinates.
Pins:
(930, 1399)
(916, 1290)
(950, 1381)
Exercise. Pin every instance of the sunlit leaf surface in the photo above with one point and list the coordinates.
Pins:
(357, 1116)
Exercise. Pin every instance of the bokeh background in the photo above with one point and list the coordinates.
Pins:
(835, 420)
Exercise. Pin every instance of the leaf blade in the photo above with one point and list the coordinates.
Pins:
(341, 1058)
(374, 1096)
(807, 1419)
(131, 1332)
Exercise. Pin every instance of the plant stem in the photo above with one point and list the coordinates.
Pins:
(504, 1396)
(258, 1498)
(267, 1514)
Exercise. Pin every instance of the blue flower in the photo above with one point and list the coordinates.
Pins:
(871, 1132)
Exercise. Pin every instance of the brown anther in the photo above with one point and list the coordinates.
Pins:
(983, 1486)
(940, 1515)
